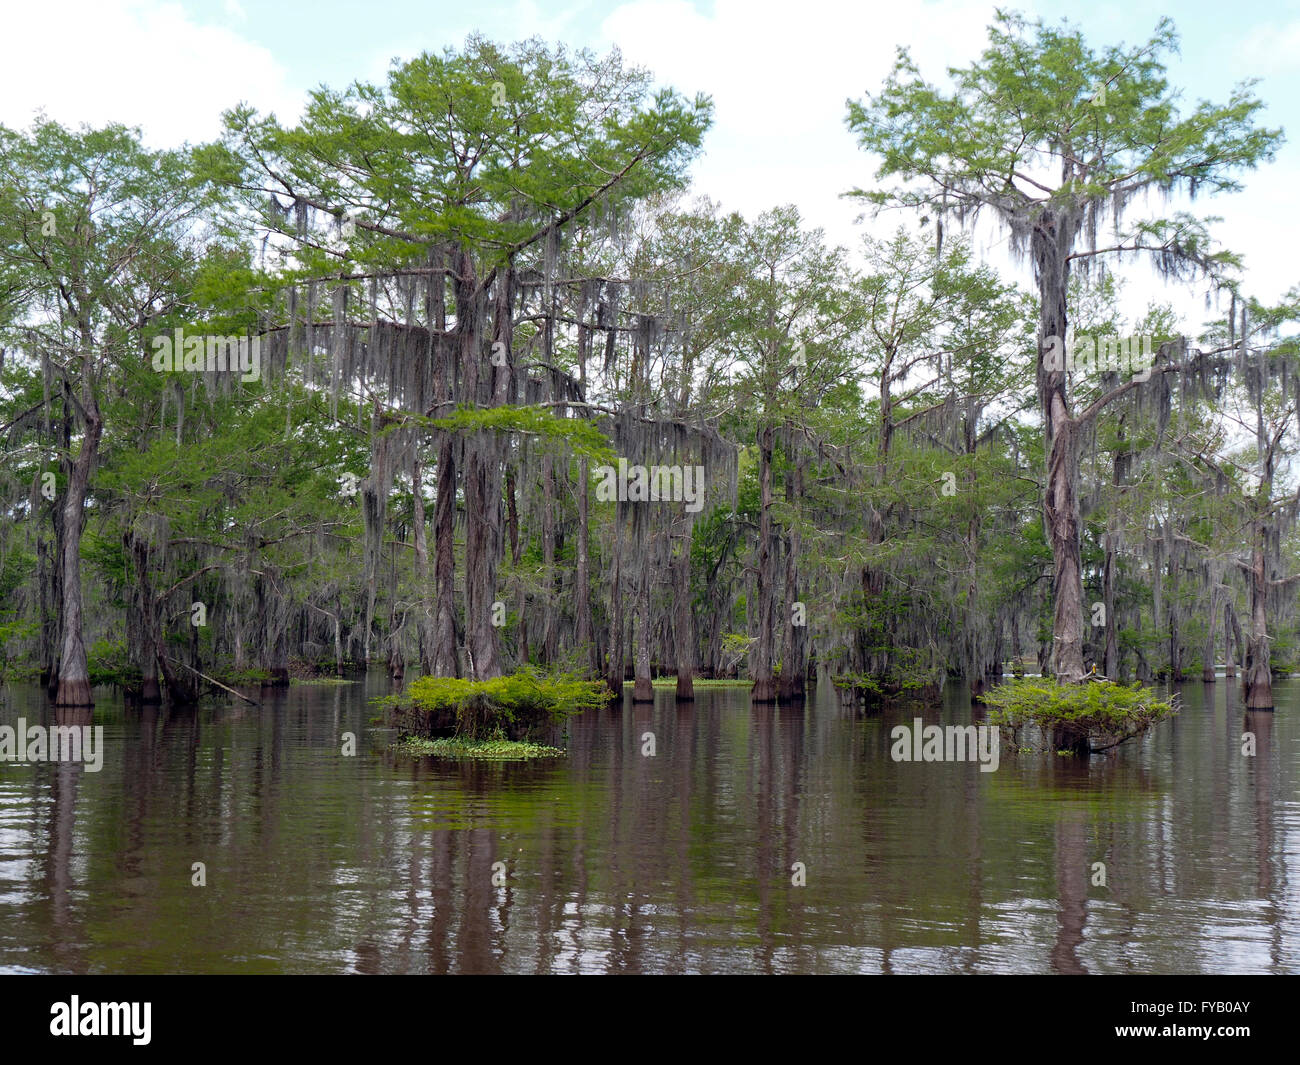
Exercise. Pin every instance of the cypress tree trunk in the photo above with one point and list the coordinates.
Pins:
(427, 637)
(74, 675)
(794, 662)
(684, 621)
(973, 667)
(47, 580)
(1257, 677)
(1049, 245)
(1016, 667)
(1111, 655)
(483, 474)
(548, 626)
(444, 515)
(614, 663)
(1232, 650)
(445, 353)
(338, 641)
(583, 631)
(1207, 662)
(1175, 637)
(279, 657)
(143, 625)
(642, 688)
(794, 649)
(713, 647)
(764, 690)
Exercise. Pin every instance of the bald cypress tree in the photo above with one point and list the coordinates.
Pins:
(450, 190)
(1056, 140)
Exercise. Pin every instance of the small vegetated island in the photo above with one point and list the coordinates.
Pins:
(1078, 719)
(498, 719)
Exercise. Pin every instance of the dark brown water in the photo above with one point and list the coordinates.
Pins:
(618, 862)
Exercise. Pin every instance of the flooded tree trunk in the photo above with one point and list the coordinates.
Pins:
(484, 534)
(643, 687)
(584, 634)
(1175, 634)
(1061, 516)
(614, 662)
(713, 645)
(973, 668)
(1207, 660)
(374, 509)
(74, 675)
(548, 624)
(182, 685)
(1051, 237)
(1232, 641)
(1016, 667)
(993, 668)
(976, 667)
(338, 640)
(583, 625)
(794, 661)
(1110, 655)
(794, 646)
(143, 623)
(760, 666)
(48, 585)
(272, 624)
(444, 567)
(279, 647)
(684, 620)
(396, 660)
(1257, 677)
(521, 590)
(396, 625)
(483, 464)
(427, 636)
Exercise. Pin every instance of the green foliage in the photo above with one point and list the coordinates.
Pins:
(109, 663)
(494, 749)
(513, 705)
(10, 633)
(581, 435)
(1109, 113)
(1099, 714)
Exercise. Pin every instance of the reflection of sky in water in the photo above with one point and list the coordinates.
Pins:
(616, 862)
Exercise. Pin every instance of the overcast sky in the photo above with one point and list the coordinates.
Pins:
(779, 73)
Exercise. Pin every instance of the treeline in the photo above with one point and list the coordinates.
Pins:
(451, 378)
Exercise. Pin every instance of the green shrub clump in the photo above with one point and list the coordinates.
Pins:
(512, 706)
(1080, 718)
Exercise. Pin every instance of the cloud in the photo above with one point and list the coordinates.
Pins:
(780, 75)
(1269, 49)
(140, 62)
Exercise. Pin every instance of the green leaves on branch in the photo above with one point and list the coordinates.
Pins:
(1099, 713)
(581, 435)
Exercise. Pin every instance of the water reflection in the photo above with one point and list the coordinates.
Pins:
(620, 860)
